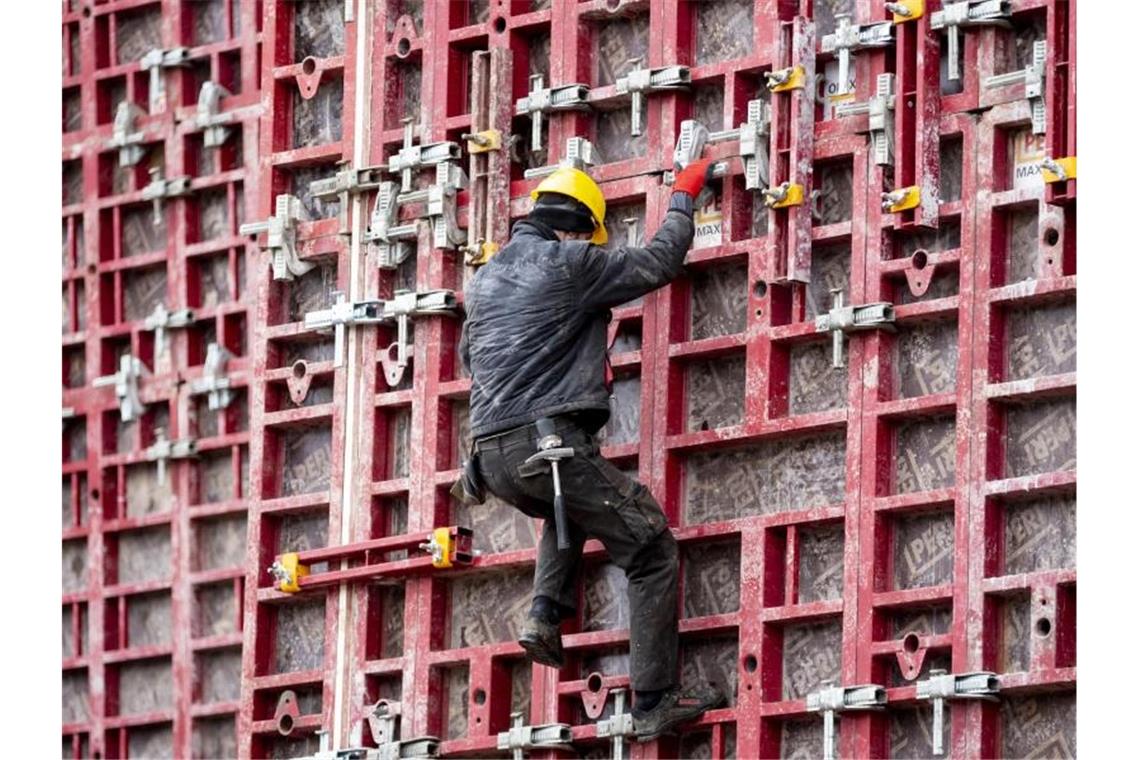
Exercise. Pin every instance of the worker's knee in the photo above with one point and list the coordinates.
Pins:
(658, 557)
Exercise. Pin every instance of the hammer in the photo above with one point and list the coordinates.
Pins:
(551, 449)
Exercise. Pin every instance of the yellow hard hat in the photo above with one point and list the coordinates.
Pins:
(582, 188)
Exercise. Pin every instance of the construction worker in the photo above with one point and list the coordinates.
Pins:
(534, 342)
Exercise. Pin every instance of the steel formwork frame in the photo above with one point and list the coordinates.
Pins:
(145, 664)
(909, 512)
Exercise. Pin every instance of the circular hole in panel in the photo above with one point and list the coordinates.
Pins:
(910, 643)
(403, 47)
(1043, 626)
(1052, 236)
(285, 724)
(613, 4)
(309, 65)
(1049, 261)
(91, 269)
(594, 682)
(480, 696)
(760, 289)
(500, 25)
(300, 368)
(759, 312)
(918, 259)
(750, 663)
(94, 494)
(87, 14)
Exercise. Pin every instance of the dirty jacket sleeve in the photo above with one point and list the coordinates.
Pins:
(611, 278)
(464, 350)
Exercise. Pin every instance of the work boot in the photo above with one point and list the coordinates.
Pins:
(674, 709)
(542, 642)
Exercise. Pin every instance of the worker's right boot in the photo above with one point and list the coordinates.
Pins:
(542, 642)
(673, 709)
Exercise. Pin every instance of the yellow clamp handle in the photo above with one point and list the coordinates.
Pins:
(787, 79)
(294, 570)
(910, 198)
(911, 10)
(486, 250)
(1068, 167)
(485, 141)
(784, 195)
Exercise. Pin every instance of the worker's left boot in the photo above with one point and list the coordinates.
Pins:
(673, 709)
(542, 642)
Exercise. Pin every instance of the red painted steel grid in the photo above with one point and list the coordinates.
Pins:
(103, 483)
(778, 321)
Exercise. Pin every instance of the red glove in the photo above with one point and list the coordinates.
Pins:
(692, 179)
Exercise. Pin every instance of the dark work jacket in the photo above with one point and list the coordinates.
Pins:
(534, 340)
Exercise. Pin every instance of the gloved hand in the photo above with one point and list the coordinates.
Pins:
(694, 177)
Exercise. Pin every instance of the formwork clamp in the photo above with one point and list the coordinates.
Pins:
(943, 686)
(880, 110)
(845, 319)
(344, 184)
(382, 723)
(619, 726)
(412, 157)
(1033, 76)
(551, 736)
(783, 195)
(903, 199)
(543, 100)
(849, 38)
(281, 237)
(164, 450)
(209, 118)
(906, 10)
(160, 320)
(155, 62)
(836, 699)
(639, 82)
(579, 155)
(287, 572)
(753, 137)
(214, 383)
(449, 546)
(126, 385)
(159, 189)
(483, 141)
(399, 309)
(790, 78)
(1059, 169)
(956, 16)
(126, 136)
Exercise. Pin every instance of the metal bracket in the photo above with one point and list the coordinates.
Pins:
(154, 62)
(1033, 76)
(955, 16)
(213, 381)
(942, 686)
(540, 100)
(209, 118)
(619, 726)
(126, 384)
(449, 547)
(640, 82)
(164, 450)
(782, 80)
(784, 195)
(345, 183)
(281, 237)
(848, 38)
(753, 135)
(160, 320)
(484, 141)
(844, 319)
(579, 155)
(835, 699)
(126, 136)
(411, 157)
(402, 307)
(880, 110)
(160, 189)
(520, 737)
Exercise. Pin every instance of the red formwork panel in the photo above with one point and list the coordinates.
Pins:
(156, 309)
(907, 512)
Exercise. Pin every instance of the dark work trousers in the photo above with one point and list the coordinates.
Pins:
(602, 503)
